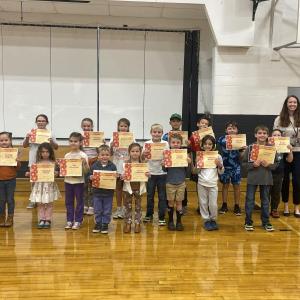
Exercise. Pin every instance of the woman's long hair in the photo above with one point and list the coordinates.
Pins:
(284, 116)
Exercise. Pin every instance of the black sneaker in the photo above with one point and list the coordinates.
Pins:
(148, 219)
(237, 210)
(179, 227)
(104, 228)
(223, 209)
(249, 227)
(171, 226)
(97, 228)
(214, 225)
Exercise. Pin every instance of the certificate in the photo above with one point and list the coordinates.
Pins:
(201, 133)
(261, 152)
(280, 143)
(206, 159)
(136, 172)
(70, 167)
(8, 157)
(104, 180)
(39, 136)
(235, 141)
(93, 139)
(175, 158)
(122, 139)
(183, 134)
(156, 150)
(42, 172)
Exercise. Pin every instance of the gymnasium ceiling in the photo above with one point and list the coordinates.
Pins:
(106, 8)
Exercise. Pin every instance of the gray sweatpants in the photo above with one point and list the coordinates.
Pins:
(208, 202)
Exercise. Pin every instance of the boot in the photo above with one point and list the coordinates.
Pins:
(137, 228)
(127, 228)
(9, 221)
(2, 220)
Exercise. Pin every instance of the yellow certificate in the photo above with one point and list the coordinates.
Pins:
(175, 158)
(93, 139)
(205, 131)
(235, 141)
(42, 172)
(156, 150)
(281, 143)
(261, 152)
(122, 139)
(183, 134)
(70, 167)
(8, 157)
(39, 136)
(104, 179)
(207, 159)
(136, 172)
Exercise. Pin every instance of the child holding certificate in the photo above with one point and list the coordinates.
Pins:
(8, 174)
(158, 177)
(176, 122)
(102, 197)
(175, 186)
(277, 175)
(74, 185)
(32, 140)
(44, 193)
(133, 189)
(232, 173)
(208, 185)
(87, 124)
(119, 156)
(259, 174)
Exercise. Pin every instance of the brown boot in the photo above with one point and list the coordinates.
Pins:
(137, 228)
(127, 228)
(2, 220)
(9, 221)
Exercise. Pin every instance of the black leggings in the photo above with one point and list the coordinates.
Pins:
(294, 168)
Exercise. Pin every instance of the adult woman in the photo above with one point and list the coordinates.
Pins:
(289, 122)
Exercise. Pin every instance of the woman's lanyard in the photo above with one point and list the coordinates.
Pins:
(295, 130)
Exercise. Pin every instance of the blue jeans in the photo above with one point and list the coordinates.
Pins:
(158, 181)
(7, 190)
(102, 208)
(250, 200)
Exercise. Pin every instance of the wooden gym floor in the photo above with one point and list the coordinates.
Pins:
(156, 264)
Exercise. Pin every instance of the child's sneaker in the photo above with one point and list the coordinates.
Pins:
(237, 210)
(268, 227)
(90, 211)
(249, 227)
(41, 224)
(85, 210)
(97, 228)
(69, 225)
(148, 219)
(171, 226)
(179, 227)
(207, 226)
(76, 226)
(223, 209)
(104, 228)
(214, 225)
(162, 222)
(47, 224)
(119, 213)
(31, 205)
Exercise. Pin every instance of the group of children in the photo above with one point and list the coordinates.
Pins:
(169, 181)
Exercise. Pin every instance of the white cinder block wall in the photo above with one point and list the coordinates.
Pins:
(247, 80)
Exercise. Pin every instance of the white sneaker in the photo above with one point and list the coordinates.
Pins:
(69, 225)
(118, 213)
(31, 205)
(90, 211)
(121, 213)
(85, 210)
(76, 226)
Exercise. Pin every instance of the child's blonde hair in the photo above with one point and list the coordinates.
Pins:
(156, 126)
